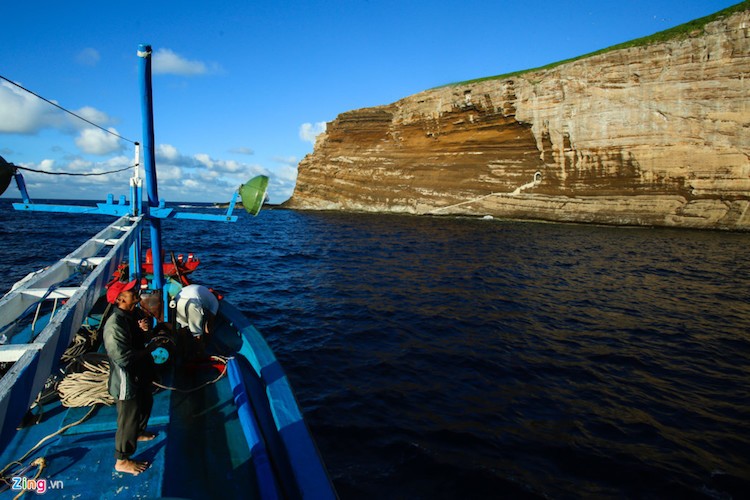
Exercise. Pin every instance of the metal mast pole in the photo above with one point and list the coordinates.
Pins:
(149, 157)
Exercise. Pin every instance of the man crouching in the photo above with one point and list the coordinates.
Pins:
(131, 372)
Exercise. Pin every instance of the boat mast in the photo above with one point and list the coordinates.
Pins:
(136, 185)
(147, 113)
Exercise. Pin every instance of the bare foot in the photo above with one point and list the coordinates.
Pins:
(146, 436)
(130, 466)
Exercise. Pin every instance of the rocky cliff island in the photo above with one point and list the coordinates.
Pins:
(653, 134)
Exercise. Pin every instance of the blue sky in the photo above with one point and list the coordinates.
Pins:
(242, 87)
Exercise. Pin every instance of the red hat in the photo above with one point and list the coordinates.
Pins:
(117, 287)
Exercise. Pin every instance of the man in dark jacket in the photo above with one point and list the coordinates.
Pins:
(130, 375)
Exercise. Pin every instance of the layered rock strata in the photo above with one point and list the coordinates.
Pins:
(653, 135)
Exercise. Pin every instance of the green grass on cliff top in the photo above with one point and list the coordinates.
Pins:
(686, 30)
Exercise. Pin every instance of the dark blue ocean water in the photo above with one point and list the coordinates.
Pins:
(463, 358)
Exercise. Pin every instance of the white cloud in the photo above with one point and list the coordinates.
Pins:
(46, 165)
(91, 187)
(290, 161)
(283, 179)
(242, 151)
(93, 115)
(309, 131)
(167, 62)
(286, 176)
(209, 175)
(22, 113)
(182, 177)
(97, 142)
(200, 177)
(88, 57)
(167, 152)
(167, 173)
(229, 166)
(204, 159)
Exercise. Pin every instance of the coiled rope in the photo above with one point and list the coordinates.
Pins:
(89, 386)
(85, 340)
(78, 347)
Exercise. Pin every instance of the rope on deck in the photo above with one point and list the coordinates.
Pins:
(40, 463)
(59, 431)
(88, 387)
(223, 372)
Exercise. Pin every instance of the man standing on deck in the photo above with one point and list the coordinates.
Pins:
(131, 372)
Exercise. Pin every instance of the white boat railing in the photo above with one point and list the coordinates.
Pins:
(28, 291)
(33, 362)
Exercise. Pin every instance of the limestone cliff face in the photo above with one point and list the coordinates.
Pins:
(656, 135)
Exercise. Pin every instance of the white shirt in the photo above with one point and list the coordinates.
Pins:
(193, 302)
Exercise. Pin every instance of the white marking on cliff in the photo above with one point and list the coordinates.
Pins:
(739, 221)
(537, 180)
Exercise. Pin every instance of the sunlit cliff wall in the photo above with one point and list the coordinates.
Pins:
(654, 135)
